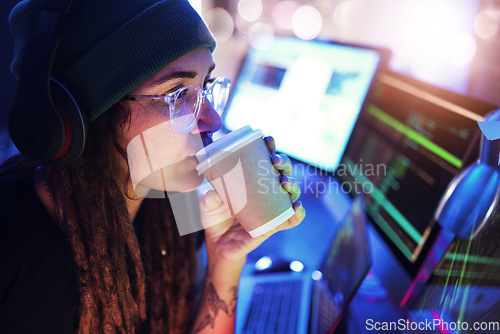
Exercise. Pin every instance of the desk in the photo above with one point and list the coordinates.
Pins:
(308, 244)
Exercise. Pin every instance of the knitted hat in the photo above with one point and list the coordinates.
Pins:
(109, 47)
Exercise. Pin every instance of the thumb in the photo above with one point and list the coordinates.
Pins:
(213, 209)
(210, 201)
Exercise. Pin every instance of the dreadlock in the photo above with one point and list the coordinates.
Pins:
(115, 272)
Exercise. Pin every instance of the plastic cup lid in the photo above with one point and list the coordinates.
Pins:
(222, 147)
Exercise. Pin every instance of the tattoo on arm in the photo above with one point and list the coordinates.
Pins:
(210, 308)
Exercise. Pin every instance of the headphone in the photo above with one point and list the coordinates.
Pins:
(45, 122)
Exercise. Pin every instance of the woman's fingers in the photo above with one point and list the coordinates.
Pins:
(289, 184)
(282, 163)
(300, 214)
(296, 219)
(271, 145)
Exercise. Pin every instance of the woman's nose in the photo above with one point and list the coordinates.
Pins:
(209, 120)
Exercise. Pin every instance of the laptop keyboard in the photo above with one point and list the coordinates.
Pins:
(274, 308)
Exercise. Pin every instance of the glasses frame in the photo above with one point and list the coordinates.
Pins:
(170, 99)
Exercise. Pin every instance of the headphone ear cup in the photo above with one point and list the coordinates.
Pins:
(34, 128)
(47, 125)
(75, 125)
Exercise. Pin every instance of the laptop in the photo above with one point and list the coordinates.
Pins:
(309, 301)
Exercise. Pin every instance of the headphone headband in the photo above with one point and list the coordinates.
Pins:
(45, 122)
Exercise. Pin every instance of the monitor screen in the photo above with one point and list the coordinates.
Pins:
(344, 267)
(409, 142)
(306, 94)
(348, 259)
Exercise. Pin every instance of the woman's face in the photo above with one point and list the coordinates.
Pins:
(159, 157)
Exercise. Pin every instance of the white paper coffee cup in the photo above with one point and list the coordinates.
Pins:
(239, 167)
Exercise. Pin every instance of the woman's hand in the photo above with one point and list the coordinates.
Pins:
(228, 241)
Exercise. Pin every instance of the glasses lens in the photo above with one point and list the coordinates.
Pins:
(218, 94)
(186, 107)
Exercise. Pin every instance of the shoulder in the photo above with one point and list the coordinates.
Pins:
(14, 184)
(37, 279)
(22, 217)
(18, 201)
(26, 229)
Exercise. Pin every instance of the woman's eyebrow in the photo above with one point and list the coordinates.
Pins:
(173, 75)
(177, 75)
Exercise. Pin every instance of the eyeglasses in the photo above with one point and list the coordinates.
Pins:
(185, 103)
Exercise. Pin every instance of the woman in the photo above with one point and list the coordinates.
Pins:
(80, 250)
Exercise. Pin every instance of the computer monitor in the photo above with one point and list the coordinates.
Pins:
(465, 287)
(410, 140)
(306, 94)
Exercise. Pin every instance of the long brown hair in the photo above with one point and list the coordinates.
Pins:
(122, 279)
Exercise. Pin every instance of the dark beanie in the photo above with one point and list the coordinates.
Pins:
(109, 47)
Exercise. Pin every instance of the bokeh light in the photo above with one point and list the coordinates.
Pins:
(296, 266)
(263, 263)
(307, 22)
(242, 25)
(250, 10)
(261, 35)
(282, 13)
(317, 275)
(220, 23)
(486, 23)
(345, 13)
